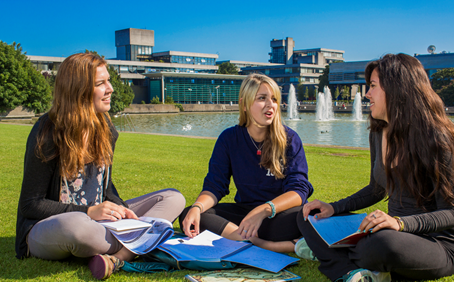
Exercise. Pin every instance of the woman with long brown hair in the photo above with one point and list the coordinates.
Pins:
(67, 183)
(412, 149)
(267, 162)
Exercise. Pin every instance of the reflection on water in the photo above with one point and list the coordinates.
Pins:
(341, 132)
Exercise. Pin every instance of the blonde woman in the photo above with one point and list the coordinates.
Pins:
(67, 183)
(269, 168)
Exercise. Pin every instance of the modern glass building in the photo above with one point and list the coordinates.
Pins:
(352, 73)
(191, 88)
(185, 58)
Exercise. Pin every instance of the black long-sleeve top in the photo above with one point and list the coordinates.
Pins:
(40, 193)
(437, 220)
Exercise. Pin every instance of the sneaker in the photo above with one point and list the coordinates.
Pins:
(365, 275)
(102, 266)
(303, 251)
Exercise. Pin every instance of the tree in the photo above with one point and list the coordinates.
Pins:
(300, 91)
(443, 84)
(324, 79)
(20, 83)
(306, 93)
(314, 93)
(345, 92)
(227, 68)
(336, 93)
(442, 78)
(123, 94)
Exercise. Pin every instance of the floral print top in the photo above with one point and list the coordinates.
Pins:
(85, 189)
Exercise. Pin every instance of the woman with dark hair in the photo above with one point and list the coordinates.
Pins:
(411, 146)
(267, 162)
(67, 183)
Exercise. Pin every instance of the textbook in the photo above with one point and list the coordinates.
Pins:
(339, 231)
(141, 240)
(125, 224)
(209, 247)
(242, 275)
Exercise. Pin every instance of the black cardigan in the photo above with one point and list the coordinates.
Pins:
(40, 193)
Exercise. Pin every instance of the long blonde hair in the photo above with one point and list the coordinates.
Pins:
(80, 133)
(275, 143)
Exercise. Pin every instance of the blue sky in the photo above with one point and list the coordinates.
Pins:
(236, 30)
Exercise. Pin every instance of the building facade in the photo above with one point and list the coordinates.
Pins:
(352, 74)
(190, 77)
(191, 88)
(288, 66)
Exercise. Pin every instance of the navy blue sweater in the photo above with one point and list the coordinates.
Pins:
(235, 154)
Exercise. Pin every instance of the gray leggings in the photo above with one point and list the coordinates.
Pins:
(75, 233)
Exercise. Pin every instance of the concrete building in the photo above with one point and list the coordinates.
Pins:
(288, 66)
(352, 75)
(134, 44)
(190, 77)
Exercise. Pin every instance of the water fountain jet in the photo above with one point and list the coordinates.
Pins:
(324, 109)
(357, 108)
(292, 110)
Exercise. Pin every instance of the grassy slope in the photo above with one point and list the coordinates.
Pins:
(145, 163)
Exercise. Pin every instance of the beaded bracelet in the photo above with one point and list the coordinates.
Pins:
(273, 209)
(401, 223)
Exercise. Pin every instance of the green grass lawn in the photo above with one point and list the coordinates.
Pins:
(145, 163)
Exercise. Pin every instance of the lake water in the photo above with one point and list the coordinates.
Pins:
(341, 132)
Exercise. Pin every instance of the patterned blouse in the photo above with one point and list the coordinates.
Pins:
(85, 189)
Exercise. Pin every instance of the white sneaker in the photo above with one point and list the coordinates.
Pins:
(365, 275)
(303, 251)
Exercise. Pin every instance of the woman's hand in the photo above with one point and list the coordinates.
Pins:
(326, 210)
(110, 211)
(250, 224)
(192, 218)
(378, 220)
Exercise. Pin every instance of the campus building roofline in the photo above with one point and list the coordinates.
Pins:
(46, 58)
(278, 66)
(247, 63)
(319, 50)
(128, 63)
(187, 54)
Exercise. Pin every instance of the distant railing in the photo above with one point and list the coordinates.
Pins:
(126, 121)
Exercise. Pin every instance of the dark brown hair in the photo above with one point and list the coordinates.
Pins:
(420, 136)
(80, 134)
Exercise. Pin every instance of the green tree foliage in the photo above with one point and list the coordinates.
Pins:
(324, 78)
(169, 100)
(227, 68)
(50, 78)
(443, 84)
(155, 100)
(300, 92)
(345, 92)
(314, 93)
(306, 93)
(122, 96)
(20, 83)
(336, 93)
